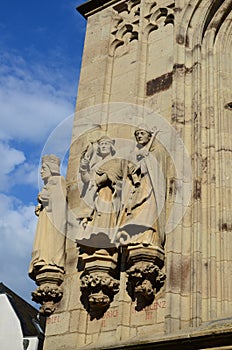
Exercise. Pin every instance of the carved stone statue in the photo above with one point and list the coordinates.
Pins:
(49, 246)
(101, 174)
(142, 218)
(126, 200)
(143, 199)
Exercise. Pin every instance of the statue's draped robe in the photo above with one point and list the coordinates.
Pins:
(144, 200)
(102, 195)
(49, 244)
(128, 196)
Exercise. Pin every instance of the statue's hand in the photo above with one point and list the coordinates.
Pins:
(142, 153)
(101, 179)
(136, 180)
(84, 164)
(38, 209)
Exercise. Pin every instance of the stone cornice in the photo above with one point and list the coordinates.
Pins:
(92, 6)
(206, 339)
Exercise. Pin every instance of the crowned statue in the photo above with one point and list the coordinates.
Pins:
(49, 244)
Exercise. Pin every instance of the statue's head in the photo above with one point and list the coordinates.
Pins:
(105, 146)
(143, 134)
(50, 166)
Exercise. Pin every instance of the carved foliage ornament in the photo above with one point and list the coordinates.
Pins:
(145, 279)
(48, 295)
(100, 289)
(98, 280)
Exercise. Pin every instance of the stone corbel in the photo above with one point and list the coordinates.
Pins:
(145, 275)
(49, 291)
(98, 281)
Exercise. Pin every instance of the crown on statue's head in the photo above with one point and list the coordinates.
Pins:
(106, 138)
(51, 159)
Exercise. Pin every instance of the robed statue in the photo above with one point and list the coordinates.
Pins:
(101, 175)
(49, 244)
(143, 206)
(125, 197)
(124, 200)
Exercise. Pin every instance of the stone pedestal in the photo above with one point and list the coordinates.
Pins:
(98, 282)
(49, 292)
(145, 276)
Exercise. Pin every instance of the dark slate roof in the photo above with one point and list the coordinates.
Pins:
(26, 313)
(92, 6)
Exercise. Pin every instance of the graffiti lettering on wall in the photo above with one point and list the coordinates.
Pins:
(53, 319)
(109, 314)
(148, 311)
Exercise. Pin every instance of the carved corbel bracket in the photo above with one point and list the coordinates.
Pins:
(98, 282)
(49, 291)
(145, 276)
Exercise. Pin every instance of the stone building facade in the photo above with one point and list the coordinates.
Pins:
(161, 67)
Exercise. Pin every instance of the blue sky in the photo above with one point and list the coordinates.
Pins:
(41, 46)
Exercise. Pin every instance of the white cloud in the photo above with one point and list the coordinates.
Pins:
(17, 223)
(10, 159)
(26, 173)
(17, 228)
(32, 102)
(30, 109)
(15, 170)
(34, 98)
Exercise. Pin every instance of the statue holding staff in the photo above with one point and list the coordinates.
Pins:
(143, 200)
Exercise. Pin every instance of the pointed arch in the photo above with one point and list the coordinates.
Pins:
(202, 76)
